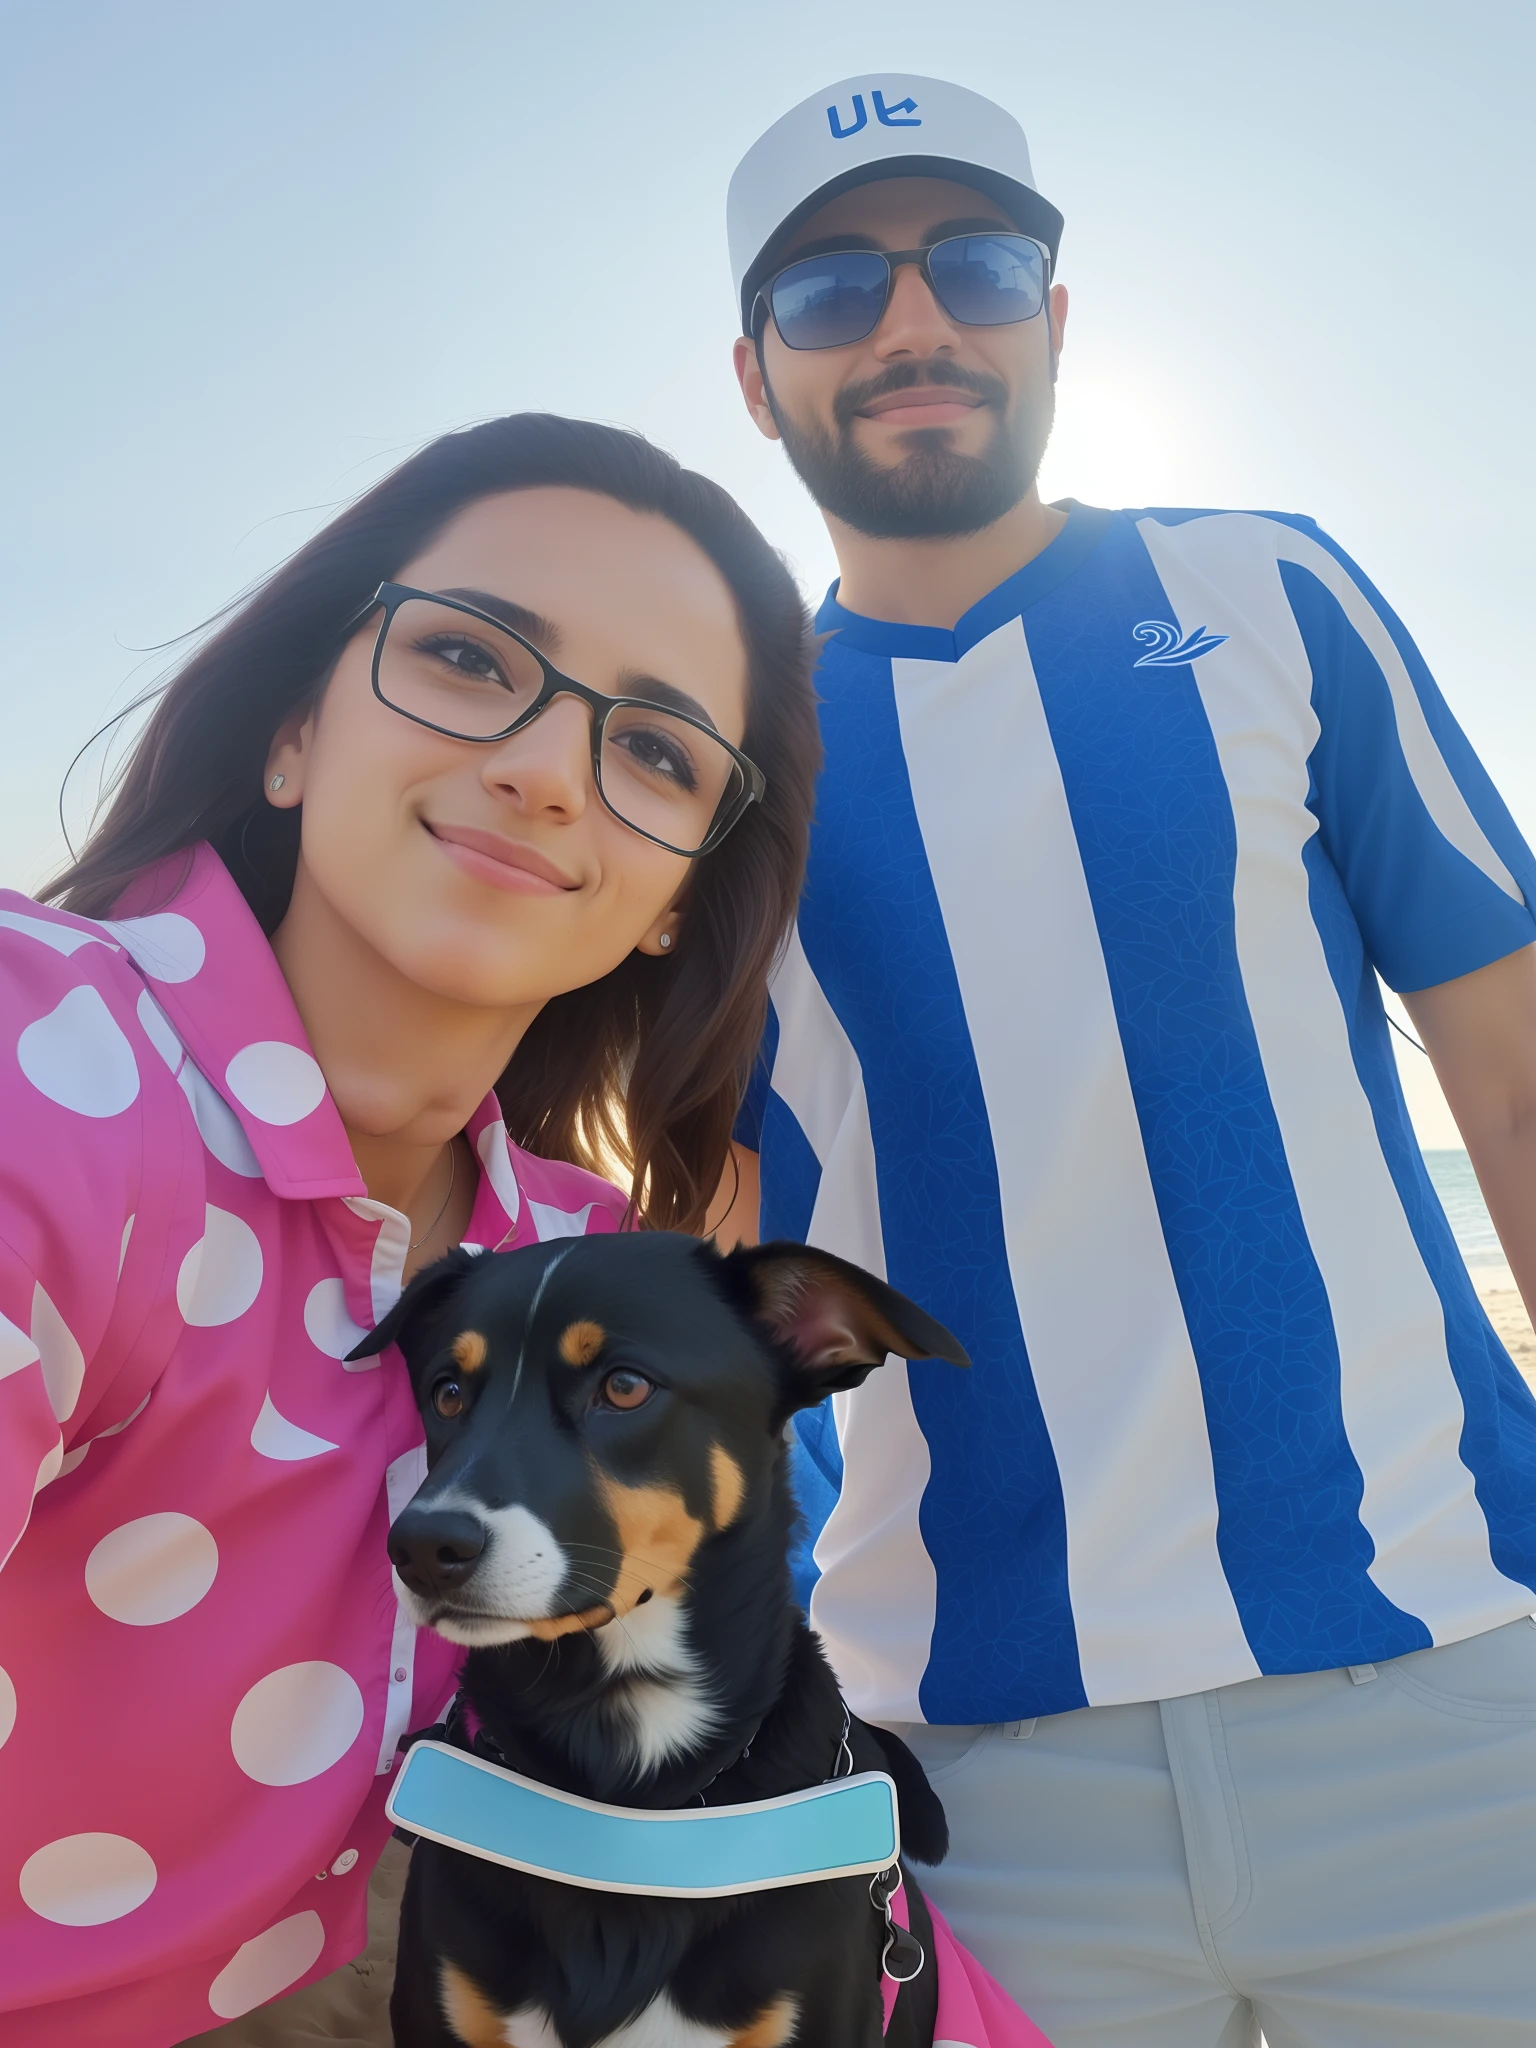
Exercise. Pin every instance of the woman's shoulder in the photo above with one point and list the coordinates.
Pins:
(32, 934)
(81, 1042)
(72, 1002)
(566, 1200)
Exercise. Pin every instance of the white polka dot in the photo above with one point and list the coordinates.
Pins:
(551, 1222)
(122, 1250)
(8, 1722)
(17, 1351)
(496, 1158)
(62, 937)
(218, 1126)
(159, 1032)
(63, 1360)
(267, 1965)
(78, 1057)
(74, 1458)
(329, 1327)
(152, 1569)
(221, 1276)
(86, 1880)
(295, 1723)
(168, 946)
(50, 1468)
(346, 1861)
(279, 1083)
(274, 1436)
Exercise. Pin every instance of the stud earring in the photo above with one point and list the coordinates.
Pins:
(277, 782)
(665, 941)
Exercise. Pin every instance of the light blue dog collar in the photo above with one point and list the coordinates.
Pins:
(846, 1828)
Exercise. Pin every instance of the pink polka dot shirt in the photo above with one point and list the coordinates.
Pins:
(204, 1673)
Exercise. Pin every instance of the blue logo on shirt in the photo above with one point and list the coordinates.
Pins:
(903, 114)
(1164, 647)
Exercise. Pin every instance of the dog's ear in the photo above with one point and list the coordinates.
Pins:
(839, 1321)
(430, 1288)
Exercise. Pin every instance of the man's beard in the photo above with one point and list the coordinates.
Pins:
(933, 493)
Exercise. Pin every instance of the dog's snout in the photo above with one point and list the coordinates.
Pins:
(435, 1550)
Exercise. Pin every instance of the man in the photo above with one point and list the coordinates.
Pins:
(1212, 1580)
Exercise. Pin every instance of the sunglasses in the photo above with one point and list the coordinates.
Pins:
(830, 300)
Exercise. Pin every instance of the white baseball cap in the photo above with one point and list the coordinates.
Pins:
(886, 125)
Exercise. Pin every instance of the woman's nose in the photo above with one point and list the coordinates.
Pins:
(548, 765)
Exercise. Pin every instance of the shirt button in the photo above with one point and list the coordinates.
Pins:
(399, 1674)
(346, 1861)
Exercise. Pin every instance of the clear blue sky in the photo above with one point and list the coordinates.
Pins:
(254, 254)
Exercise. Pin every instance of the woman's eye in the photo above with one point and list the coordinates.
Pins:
(467, 658)
(659, 754)
(626, 1389)
(448, 1399)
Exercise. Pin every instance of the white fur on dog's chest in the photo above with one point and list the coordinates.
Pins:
(661, 2025)
(663, 1698)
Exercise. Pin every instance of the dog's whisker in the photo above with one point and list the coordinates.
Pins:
(639, 1557)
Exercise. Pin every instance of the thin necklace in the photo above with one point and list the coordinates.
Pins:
(453, 1174)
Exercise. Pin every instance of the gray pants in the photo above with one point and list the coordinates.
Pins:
(351, 2005)
(1346, 1859)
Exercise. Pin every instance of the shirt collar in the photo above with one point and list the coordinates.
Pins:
(1086, 526)
(210, 967)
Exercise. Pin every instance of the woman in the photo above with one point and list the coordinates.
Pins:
(381, 885)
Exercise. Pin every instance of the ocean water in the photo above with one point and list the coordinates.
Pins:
(1462, 1199)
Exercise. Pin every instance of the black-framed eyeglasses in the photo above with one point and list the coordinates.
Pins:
(664, 773)
(981, 280)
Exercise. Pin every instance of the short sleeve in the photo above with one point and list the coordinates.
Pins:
(1434, 868)
(76, 1069)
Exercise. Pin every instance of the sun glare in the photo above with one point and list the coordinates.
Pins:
(1121, 438)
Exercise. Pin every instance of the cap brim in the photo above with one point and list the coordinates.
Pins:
(1024, 206)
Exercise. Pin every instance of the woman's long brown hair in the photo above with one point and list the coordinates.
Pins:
(646, 1066)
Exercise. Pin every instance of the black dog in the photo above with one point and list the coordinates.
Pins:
(606, 1527)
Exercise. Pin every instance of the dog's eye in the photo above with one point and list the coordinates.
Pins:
(623, 1389)
(448, 1399)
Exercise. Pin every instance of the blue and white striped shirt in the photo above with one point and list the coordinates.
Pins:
(1080, 1042)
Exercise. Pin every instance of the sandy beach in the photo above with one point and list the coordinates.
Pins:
(1506, 1311)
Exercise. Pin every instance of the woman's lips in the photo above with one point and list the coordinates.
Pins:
(504, 863)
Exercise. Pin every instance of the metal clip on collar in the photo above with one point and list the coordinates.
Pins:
(902, 1958)
(842, 1763)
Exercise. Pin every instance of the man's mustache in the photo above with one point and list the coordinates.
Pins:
(852, 399)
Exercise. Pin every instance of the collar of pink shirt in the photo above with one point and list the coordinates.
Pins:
(215, 977)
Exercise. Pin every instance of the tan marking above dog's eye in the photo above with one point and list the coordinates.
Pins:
(469, 1350)
(581, 1342)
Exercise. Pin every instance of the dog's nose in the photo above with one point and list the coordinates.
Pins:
(435, 1550)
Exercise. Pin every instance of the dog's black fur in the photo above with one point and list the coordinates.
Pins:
(616, 1560)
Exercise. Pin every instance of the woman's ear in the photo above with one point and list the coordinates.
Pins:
(663, 935)
(838, 1321)
(283, 777)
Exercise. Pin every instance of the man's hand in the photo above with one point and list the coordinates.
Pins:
(1480, 1033)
